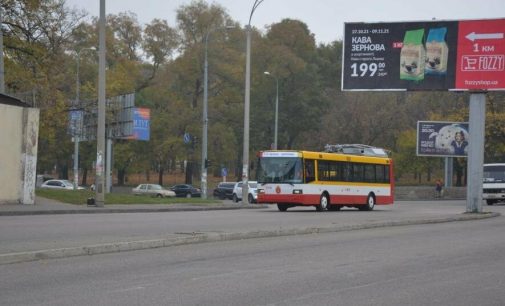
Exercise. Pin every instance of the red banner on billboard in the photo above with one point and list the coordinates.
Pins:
(481, 55)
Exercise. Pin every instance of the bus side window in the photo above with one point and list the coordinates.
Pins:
(309, 170)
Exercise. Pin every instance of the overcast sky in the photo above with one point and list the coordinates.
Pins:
(325, 18)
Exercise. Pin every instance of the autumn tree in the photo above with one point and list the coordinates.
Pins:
(36, 35)
(289, 54)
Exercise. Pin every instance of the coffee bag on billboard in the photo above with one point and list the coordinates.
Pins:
(436, 52)
(412, 56)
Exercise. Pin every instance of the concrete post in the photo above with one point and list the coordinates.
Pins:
(100, 146)
(29, 155)
(476, 152)
(448, 171)
(2, 72)
(205, 121)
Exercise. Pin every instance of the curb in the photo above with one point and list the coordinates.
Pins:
(124, 210)
(201, 237)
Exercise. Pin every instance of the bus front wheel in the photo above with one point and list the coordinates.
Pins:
(323, 203)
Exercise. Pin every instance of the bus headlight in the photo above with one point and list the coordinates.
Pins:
(297, 191)
(261, 191)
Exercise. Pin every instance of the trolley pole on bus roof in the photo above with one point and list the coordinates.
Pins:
(276, 108)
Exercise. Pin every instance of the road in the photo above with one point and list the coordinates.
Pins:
(456, 263)
(30, 233)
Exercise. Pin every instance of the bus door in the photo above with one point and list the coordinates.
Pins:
(310, 173)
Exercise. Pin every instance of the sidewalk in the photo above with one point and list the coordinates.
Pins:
(52, 235)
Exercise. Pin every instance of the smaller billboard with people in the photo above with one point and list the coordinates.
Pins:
(435, 138)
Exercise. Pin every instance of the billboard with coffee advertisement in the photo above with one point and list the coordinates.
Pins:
(433, 55)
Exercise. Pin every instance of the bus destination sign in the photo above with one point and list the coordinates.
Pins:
(433, 55)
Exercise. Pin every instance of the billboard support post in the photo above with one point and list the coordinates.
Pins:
(448, 171)
(476, 152)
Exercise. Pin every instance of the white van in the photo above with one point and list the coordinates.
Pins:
(494, 183)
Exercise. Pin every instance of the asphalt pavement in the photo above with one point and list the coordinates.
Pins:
(176, 229)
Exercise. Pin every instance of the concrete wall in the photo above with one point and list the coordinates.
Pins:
(19, 127)
(428, 193)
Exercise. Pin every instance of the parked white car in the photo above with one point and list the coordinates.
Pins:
(60, 184)
(154, 190)
(253, 192)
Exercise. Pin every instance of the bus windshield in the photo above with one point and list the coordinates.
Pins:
(280, 170)
(494, 174)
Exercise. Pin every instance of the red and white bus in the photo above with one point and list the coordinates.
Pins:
(346, 175)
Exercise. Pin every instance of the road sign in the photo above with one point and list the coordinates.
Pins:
(431, 55)
(187, 138)
(75, 122)
(224, 171)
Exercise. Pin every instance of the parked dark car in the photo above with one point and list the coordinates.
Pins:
(185, 190)
(224, 190)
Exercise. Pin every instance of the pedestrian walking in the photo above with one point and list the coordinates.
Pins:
(438, 188)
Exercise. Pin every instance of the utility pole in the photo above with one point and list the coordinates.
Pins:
(100, 145)
(205, 120)
(2, 72)
(245, 153)
(77, 125)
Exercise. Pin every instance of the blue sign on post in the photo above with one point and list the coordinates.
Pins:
(187, 138)
(224, 171)
(75, 123)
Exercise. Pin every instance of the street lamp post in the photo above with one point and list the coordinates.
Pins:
(100, 137)
(77, 126)
(245, 156)
(205, 120)
(276, 108)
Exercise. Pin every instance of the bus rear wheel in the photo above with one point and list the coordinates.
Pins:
(282, 207)
(334, 207)
(370, 203)
(323, 203)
